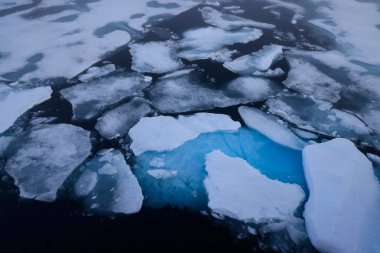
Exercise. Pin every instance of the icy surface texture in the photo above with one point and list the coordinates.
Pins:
(155, 57)
(259, 61)
(96, 72)
(342, 211)
(189, 93)
(268, 126)
(92, 98)
(14, 102)
(118, 121)
(176, 131)
(239, 191)
(42, 160)
(210, 42)
(108, 185)
(228, 21)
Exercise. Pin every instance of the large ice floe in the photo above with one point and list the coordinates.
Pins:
(92, 98)
(42, 159)
(107, 184)
(187, 92)
(211, 42)
(14, 102)
(342, 211)
(256, 63)
(75, 35)
(239, 191)
(170, 160)
(155, 57)
(118, 121)
(228, 21)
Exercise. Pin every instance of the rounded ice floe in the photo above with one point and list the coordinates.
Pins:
(155, 57)
(237, 190)
(118, 121)
(14, 102)
(167, 133)
(342, 211)
(108, 185)
(92, 98)
(46, 158)
(267, 125)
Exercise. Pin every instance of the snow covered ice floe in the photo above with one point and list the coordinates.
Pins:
(14, 102)
(155, 57)
(259, 61)
(298, 10)
(342, 211)
(92, 98)
(107, 184)
(188, 92)
(42, 159)
(176, 131)
(211, 42)
(118, 121)
(267, 125)
(96, 72)
(237, 190)
(229, 21)
(306, 79)
(71, 34)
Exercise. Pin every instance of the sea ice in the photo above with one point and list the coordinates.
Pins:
(118, 121)
(155, 57)
(92, 98)
(267, 125)
(96, 72)
(239, 191)
(14, 102)
(108, 185)
(228, 21)
(342, 211)
(41, 160)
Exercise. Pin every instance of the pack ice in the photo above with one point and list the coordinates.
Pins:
(107, 184)
(14, 102)
(41, 160)
(342, 211)
(92, 98)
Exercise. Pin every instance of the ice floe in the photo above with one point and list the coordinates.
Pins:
(267, 125)
(118, 121)
(228, 21)
(96, 72)
(155, 57)
(42, 160)
(298, 10)
(210, 42)
(239, 191)
(92, 98)
(342, 211)
(189, 93)
(14, 102)
(169, 133)
(162, 174)
(259, 61)
(108, 185)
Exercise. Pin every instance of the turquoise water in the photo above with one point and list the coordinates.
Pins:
(187, 190)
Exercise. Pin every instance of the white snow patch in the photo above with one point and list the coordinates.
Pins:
(162, 174)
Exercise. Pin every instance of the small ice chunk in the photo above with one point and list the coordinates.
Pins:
(14, 102)
(96, 72)
(157, 162)
(239, 191)
(342, 211)
(112, 187)
(267, 125)
(46, 158)
(162, 174)
(167, 133)
(228, 21)
(118, 121)
(306, 79)
(92, 98)
(155, 57)
(259, 61)
(206, 43)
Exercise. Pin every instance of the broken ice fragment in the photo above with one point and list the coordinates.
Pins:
(96, 72)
